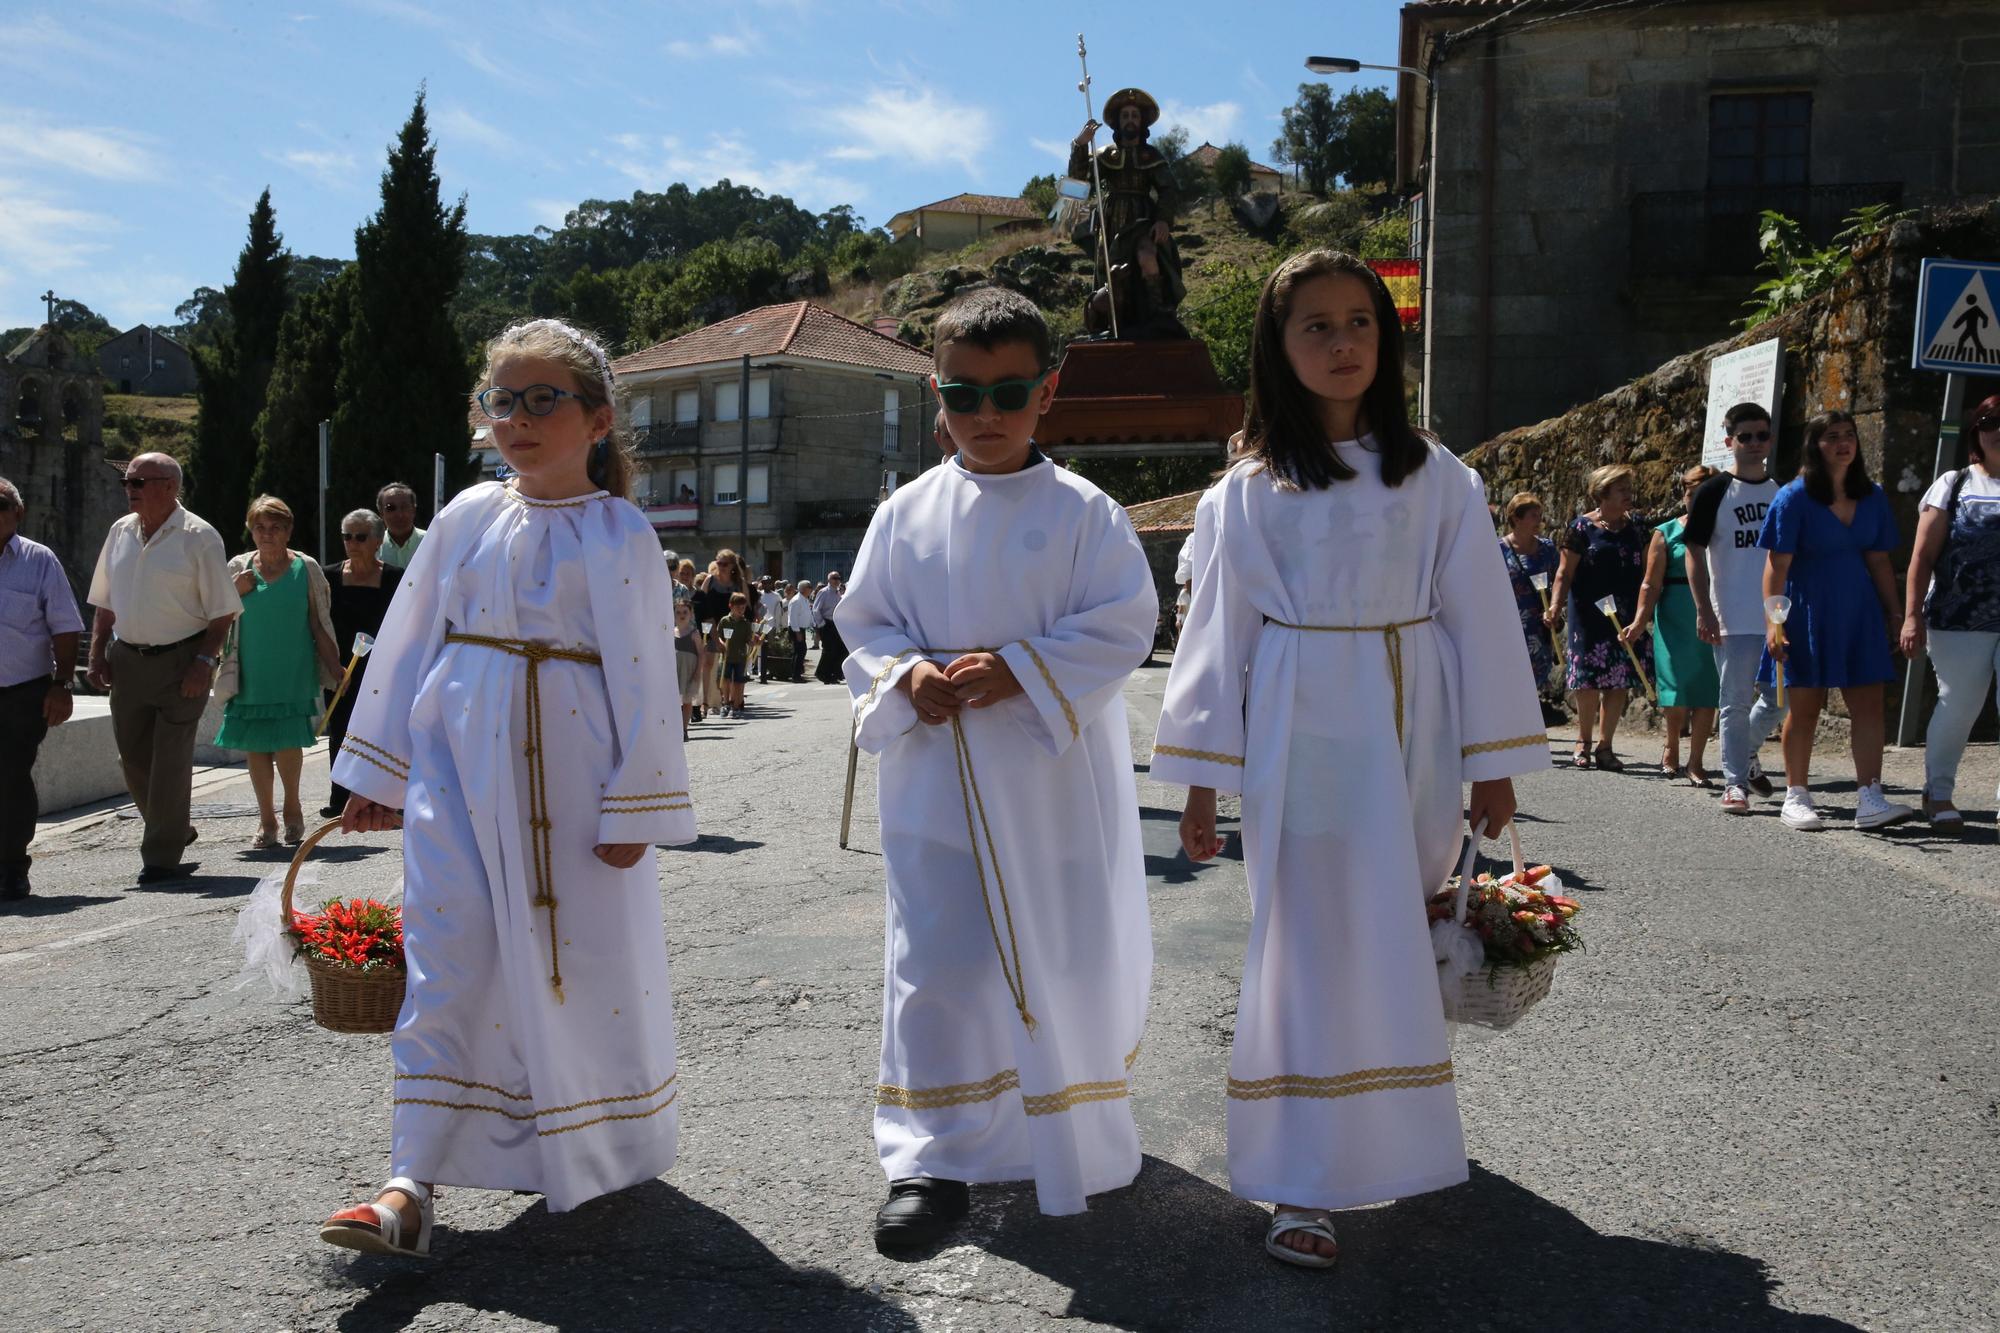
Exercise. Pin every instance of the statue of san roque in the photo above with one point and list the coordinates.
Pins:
(1137, 206)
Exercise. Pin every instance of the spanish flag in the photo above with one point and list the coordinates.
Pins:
(1405, 281)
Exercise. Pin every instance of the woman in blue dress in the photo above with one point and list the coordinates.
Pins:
(1527, 553)
(1829, 535)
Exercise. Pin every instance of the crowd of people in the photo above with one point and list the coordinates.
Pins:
(1743, 610)
(1336, 575)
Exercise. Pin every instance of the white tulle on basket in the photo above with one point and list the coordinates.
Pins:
(268, 952)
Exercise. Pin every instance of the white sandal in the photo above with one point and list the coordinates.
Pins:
(1312, 1221)
(376, 1228)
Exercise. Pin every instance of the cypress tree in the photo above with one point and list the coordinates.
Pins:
(403, 378)
(232, 377)
(301, 395)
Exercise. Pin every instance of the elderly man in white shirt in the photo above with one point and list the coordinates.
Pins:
(832, 648)
(798, 619)
(162, 588)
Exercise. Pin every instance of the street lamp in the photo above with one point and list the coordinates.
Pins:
(1345, 65)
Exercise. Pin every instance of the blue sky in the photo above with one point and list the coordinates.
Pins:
(135, 135)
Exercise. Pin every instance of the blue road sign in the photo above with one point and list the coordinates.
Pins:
(1958, 326)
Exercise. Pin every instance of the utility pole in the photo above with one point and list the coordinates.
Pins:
(743, 472)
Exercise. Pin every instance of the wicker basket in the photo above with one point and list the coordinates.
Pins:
(1495, 996)
(345, 999)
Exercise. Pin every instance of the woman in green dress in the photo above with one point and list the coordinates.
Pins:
(280, 653)
(1685, 666)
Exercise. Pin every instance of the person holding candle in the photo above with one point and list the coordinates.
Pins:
(1604, 555)
(1531, 561)
(1829, 535)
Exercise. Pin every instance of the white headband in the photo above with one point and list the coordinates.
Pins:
(578, 338)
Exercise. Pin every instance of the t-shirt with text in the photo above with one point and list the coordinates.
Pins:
(1724, 518)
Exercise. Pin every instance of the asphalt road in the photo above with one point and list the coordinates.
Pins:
(1766, 1097)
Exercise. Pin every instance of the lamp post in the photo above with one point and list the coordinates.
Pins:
(1344, 65)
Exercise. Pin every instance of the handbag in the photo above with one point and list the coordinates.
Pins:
(229, 674)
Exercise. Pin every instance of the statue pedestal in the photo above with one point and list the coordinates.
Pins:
(1121, 399)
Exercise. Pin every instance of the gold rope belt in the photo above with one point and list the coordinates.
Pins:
(1392, 643)
(539, 823)
(968, 792)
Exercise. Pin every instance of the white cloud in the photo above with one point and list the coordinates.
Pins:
(1058, 151)
(455, 122)
(724, 44)
(1216, 122)
(40, 233)
(550, 213)
(331, 167)
(38, 38)
(403, 11)
(653, 163)
(912, 125)
(106, 154)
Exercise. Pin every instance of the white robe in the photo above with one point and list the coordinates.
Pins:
(1340, 1087)
(1044, 568)
(499, 1084)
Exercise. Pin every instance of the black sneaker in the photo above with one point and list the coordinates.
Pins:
(920, 1212)
(13, 884)
(1757, 781)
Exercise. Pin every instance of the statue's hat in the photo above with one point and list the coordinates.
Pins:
(1124, 97)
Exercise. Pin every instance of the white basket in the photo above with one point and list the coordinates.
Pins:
(1493, 996)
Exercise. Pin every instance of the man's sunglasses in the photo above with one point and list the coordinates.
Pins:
(356, 536)
(540, 400)
(137, 483)
(1753, 437)
(1007, 395)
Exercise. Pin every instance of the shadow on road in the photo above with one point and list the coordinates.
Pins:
(719, 843)
(199, 885)
(1174, 1251)
(49, 904)
(645, 1258)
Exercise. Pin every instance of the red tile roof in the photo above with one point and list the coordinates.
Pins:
(797, 328)
(1160, 518)
(1204, 157)
(988, 205)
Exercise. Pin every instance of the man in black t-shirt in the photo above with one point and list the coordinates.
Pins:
(1725, 569)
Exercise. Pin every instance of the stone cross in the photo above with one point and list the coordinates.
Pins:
(49, 297)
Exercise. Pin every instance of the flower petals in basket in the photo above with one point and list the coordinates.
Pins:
(1497, 941)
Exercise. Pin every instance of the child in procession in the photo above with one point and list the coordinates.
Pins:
(535, 1051)
(998, 605)
(733, 635)
(1351, 659)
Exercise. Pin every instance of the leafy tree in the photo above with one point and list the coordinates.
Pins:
(402, 383)
(1306, 141)
(204, 318)
(1132, 481)
(1041, 192)
(311, 272)
(1173, 144)
(1364, 136)
(1799, 270)
(303, 393)
(233, 373)
(1388, 237)
(1224, 321)
(1353, 139)
(85, 328)
(1231, 170)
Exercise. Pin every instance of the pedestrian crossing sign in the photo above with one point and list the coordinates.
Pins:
(1958, 326)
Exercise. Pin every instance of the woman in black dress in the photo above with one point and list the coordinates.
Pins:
(1603, 554)
(362, 587)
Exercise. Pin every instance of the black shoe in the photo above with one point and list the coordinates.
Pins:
(168, 874)
(331, 811)
(193, 833)
(920, 1211)
(1758, 782)
(13, 884)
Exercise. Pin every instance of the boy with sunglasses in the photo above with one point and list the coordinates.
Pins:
(1725, 569)
(1001, 602)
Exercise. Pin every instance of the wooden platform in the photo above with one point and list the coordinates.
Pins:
(1139, 398)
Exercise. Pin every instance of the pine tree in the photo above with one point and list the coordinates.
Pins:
(231, 377)
(301, 395)
(403, 378)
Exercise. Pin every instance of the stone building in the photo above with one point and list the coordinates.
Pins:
(954, 223)
(144, 360)
(836, 416)
(52, 448)
(1597, 170)
(1263, 179)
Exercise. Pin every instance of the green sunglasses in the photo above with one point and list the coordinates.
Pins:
(1007, 395)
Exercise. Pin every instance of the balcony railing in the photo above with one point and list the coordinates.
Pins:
(1713, 233)
(669, 515)
(664, 437)
(834, 513)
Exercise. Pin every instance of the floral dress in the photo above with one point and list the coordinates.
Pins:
(1534, 629)
(1609, 564)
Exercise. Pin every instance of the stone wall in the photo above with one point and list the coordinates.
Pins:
(1537, 302)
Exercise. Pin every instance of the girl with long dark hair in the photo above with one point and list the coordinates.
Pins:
(1350, 661)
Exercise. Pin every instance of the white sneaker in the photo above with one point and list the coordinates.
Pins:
(1873, 810)
(1799, 813)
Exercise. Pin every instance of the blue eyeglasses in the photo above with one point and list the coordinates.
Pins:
(540, 400)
